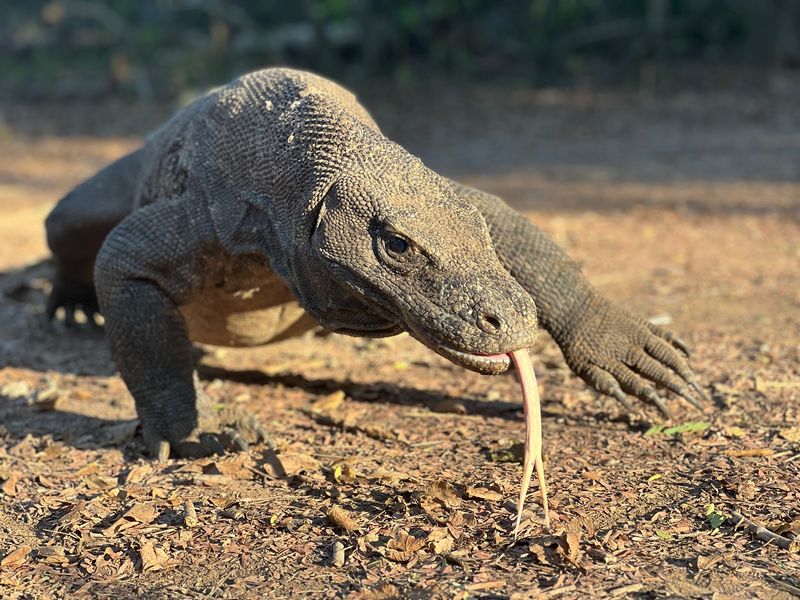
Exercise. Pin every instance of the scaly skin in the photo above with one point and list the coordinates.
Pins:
(614, 351)
(274, 204)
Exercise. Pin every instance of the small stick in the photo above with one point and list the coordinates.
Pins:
(533, 434)
(765, 535)
(189, 514)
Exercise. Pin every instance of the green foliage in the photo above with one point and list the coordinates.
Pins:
(714, 516)
(688, 427)
(169, 43)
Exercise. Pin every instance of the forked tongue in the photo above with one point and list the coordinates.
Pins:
(533, 433)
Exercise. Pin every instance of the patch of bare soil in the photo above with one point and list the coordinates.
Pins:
(392, 473)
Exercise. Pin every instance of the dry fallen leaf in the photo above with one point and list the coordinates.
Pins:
(570, 542)
(136, 515)
(403, 547)
(100, 482)
(706, 562)
(234, 466)
(387, 475)
(153, 557)
(9, 486)
(481, 493)
(329, 403)
(444, 492)
(734, 431)
(16, 558)
(138, 473)
(289, 463)
(792, 434)
(339, 517)
(440, 541)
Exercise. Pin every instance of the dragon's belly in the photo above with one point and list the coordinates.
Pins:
(248, 305)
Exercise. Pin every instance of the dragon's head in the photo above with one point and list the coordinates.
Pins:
(408, 254)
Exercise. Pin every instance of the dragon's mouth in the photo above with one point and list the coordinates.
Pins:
(374, 332)
(487, 364)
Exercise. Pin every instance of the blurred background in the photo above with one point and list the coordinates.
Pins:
(159, 48)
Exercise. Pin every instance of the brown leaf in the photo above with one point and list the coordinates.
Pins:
(792, 434)
(293, 463)
(54, 555)
(137, 514)
(9, 486)
(791, 527)
(444, 492)
(405, 542)
(153, 557)
(706, 562)
(481, 493)
(556, 550)
(141, 513)
(339, 517)
(235, 466)
(329, 403)
(571, 544)
(387, 475)
(16, 558)
(403, 547)
(100, 482)
(439, 540)
(138, 473)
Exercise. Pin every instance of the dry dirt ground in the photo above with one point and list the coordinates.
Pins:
(392, 472)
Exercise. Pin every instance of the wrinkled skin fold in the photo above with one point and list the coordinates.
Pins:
(275, 204)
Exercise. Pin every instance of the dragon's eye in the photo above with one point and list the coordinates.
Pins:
(397, 244)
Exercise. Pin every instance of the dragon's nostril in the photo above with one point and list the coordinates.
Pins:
(489, 322)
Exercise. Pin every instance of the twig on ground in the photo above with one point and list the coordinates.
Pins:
(762, 533)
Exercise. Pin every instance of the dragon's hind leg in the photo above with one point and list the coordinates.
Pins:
(76, 228)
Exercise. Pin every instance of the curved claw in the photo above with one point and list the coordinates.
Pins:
(234, 440)
(161, 451)
(211, 445)
(71, 296)
(656, 401)
(681, 345)
(693, 401)
(699, 389)
(620, 396)
(673, 339)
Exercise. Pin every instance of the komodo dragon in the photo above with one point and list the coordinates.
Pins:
(273, 205)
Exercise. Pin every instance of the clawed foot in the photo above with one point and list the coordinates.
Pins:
(73, 296)
(219, 432)
(621, 355)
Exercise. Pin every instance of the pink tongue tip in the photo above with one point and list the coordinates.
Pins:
(533, 433)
